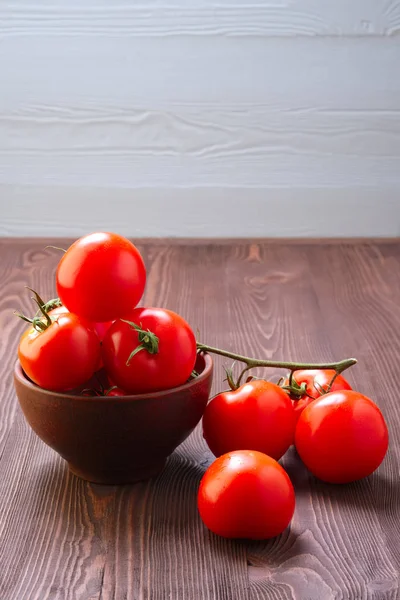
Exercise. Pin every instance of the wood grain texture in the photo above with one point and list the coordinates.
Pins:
(201, 146)
(64, 539)
(266, 96)
(205, 18)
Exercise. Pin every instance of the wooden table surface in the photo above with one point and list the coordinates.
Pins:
(63, 538)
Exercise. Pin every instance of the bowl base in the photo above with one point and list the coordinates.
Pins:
(119, 477)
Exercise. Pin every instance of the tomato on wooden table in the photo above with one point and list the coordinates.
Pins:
(101, 277)
(342, 437)
(151, 349)
(62, 356)
(246, 494)
(257, 416)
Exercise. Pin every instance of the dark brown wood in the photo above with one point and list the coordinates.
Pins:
(63, 538)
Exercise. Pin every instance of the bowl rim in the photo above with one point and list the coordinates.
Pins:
(208, 366)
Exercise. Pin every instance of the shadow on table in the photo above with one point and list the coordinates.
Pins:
(48, 478)
(369, 494)
(167, 505)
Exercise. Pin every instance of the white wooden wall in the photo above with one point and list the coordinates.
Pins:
(200, 117)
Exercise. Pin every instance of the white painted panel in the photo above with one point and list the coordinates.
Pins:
(98, 73)
(205, 17)
(201, 212)
(269, 102)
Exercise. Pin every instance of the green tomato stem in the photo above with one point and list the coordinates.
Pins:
(251, 363)
(148, 340)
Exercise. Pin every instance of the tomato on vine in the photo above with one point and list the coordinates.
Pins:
(342, 437)
(257, 416)
(315, 383)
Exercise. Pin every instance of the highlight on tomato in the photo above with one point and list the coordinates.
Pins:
(151, 349)
(246, 494)
(257, 416)
(101, 277)
(342, 437)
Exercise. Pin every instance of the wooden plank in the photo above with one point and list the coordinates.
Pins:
(214, 131)
(205, 18)
(201, 212)
(124, 74)
(61, 538)
(250, 146)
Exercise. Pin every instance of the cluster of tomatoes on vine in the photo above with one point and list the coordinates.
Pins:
(339, 434)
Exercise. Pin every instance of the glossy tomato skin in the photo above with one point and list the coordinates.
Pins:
(101, 277)
(342, 437)
(170, 367)
(246, 494)
(63, 356)
(316, 381)
(257, 416)
(100, 328)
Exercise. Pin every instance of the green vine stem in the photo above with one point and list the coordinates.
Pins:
(251, 363)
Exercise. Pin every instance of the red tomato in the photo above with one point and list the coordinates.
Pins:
(100, 328)
(258, 415)
(342, 437)
(246, 494)
(316, 382)
(300, 405)
(101, 277)
(61, 357)
(165, 351)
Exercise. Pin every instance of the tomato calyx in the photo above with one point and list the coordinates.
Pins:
(295, 391)
(298, 391)
(42, 320)
(148, 340)
(52, 304)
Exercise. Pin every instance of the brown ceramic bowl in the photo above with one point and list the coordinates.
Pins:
(115, 440)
